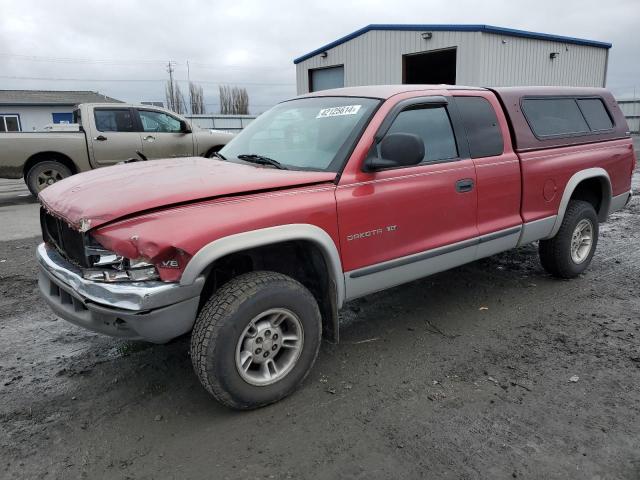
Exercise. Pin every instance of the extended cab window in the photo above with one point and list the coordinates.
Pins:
(554, 116)
(433, 125)
(153, 121)
(114, 120)
(595, 113)
(481, 124)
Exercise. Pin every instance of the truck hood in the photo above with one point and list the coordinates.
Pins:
(93, 198)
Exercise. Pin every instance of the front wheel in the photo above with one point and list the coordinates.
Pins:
(569, 253)
(256, 339)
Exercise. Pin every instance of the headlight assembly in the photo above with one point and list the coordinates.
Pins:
(106, 266)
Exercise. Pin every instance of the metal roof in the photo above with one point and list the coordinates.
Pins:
(52, 97)
(455, 28)
(383, 91)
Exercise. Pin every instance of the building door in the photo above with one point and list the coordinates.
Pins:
(435, 67)
(326, 78)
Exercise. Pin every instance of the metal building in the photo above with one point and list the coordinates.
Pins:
(480, 55)
(631, 110)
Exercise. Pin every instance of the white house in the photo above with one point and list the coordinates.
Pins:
(31, 110)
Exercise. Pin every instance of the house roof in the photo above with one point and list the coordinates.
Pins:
(52, 97)
(455, 28)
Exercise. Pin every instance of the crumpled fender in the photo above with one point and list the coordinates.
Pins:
(170, 238)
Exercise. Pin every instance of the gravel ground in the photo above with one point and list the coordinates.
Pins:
(492, 370)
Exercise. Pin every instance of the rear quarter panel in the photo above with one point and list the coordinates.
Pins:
(546, 172)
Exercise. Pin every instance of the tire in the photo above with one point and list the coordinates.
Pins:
(45, 173)
(559, 255)
(210, 153)
(239, 315)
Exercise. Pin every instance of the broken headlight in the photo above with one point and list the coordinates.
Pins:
(107, 266)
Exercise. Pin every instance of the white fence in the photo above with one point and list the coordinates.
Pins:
(631, 110)
(228, 123)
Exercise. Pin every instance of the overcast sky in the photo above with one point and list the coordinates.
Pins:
(121, 48)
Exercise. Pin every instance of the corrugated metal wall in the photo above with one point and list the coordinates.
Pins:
(508, 61)
(218, 121)
(375, 58)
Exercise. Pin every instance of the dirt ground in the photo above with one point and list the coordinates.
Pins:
(492, 370)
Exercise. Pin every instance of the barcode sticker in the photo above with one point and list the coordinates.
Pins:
(338, 111)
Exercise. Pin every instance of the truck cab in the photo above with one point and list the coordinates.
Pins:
(118, 132)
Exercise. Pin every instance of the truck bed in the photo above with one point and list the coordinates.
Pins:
(18, 146)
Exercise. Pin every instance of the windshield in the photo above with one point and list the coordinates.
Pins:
(305, 134)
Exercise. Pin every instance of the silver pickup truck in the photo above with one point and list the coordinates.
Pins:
(106, 134)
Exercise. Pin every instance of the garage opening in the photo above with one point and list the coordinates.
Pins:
(326, 78)
(438, 66)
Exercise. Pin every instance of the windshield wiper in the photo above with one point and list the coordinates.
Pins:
(219, 155)
(261, 160)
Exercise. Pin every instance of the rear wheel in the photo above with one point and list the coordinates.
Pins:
(569, 253)
(256, 339)
(46, 173)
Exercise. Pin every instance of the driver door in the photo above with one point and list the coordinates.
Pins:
(162, 136)
(400, 224)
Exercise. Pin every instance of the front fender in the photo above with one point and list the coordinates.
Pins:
(267, 236)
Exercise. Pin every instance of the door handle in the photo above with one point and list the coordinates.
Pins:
(464, 185)
(100, 138)
(149, 138)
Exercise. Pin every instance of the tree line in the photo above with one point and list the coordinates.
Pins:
(233, 100)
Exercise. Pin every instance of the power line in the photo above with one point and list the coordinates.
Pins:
(35, 58)
(129, 62)
(148, 80)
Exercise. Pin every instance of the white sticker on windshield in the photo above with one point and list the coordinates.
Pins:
(337, 111)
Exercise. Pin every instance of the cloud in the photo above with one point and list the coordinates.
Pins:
(126, 45)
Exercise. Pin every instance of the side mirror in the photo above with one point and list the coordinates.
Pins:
(397, 150)
(185, 127)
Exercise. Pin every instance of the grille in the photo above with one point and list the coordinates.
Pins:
(68, 242)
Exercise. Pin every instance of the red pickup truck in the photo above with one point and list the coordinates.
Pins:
(325, 198)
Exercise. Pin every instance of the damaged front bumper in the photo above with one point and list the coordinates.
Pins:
(154, 311)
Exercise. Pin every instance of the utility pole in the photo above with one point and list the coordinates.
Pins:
(170, 92)
(172, 97)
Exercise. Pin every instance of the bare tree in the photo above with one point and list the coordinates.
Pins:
(234, 100)
(175, 99)
(196, 98)
(173, 94)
